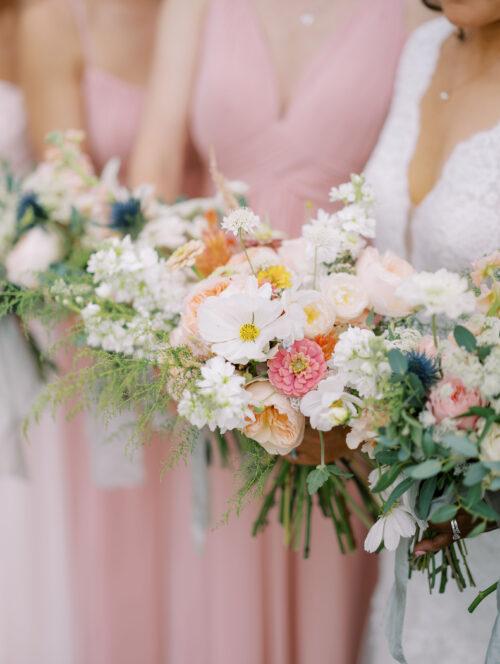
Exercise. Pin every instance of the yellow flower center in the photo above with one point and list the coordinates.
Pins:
(299, 363)
(312, 313)
(277, 275)
(343, 296)
(249, 332)
(337, 404)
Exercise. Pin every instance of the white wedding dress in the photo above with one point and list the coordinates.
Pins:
(457, 222)
(35, 609)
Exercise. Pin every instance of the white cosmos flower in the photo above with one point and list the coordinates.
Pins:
(355, 191)
(241, 221)
(438, 293)
(400, 520)
(329, 405)
(239, 327)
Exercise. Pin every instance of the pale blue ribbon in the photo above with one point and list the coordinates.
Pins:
(396, 607)
(493, 654)
(200, 492)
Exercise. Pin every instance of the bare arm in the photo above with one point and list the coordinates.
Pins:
(158, 157)
(50, 69)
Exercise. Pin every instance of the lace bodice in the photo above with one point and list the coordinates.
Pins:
(459, 220)
(14, 147)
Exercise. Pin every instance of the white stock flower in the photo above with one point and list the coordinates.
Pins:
(361, 357)
(241, 221)
(219, 399)
(356, 219)
(323, 237)
(165, 231)
(329, 405)
(355, 191)
(438, 293)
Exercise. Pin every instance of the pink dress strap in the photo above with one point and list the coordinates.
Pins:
(79, 11)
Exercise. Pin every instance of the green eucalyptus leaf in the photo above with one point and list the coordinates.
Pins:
(478, 530)
(475, 474)
(460, 444)
(387, 457)
(444, 513)
(428, 444)
(317, 478)
(495, 485)
(465, 338)
(397, 361)
(387, 478)
(425, 496)
(473, 495)
(425, 469)
(397, 492)
(484, 510)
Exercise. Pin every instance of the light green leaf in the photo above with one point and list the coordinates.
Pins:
(460, 444)
(425, 469)
(475, 474)
(465, 338)
(398, 362)
(317, 478)
(444, 513)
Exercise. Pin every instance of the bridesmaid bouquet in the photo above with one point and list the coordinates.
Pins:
(253, 354)
(433, 409)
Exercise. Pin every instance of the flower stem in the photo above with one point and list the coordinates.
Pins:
(245, 251)
(315, 267)
(482, 595)
(322, 447)
(434, 330)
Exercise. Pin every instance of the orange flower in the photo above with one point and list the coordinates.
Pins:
(327, 343)
(219, 247)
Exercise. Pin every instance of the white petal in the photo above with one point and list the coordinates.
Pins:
(375, 534)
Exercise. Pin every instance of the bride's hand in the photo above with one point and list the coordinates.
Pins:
(308, 452)
(444, 534)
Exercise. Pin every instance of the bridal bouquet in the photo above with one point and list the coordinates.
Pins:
(431, 406)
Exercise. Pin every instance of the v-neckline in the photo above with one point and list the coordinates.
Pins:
(415, 207)
(283, 111)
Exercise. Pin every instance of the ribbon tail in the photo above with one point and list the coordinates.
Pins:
(395, 613)
(493, 654)
(200, 492)
(19, 385)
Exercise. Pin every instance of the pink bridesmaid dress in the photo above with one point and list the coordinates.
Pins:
(270, 606)
(145, 594)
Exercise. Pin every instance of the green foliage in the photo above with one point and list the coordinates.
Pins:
(444, 513)
(317, 478)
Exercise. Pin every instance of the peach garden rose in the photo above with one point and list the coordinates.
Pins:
(278, 427)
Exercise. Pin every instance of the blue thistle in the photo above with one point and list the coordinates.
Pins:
(423, 366)
(127, 217)
(29, 212)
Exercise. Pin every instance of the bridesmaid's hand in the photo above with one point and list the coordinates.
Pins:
(308, 452)
(444, 534)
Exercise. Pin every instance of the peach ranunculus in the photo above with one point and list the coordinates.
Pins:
(278, 427)
(450, 399)
(207, 288)
(347, 295)
(381, 276)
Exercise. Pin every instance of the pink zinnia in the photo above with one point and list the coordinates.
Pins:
(297, 370)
